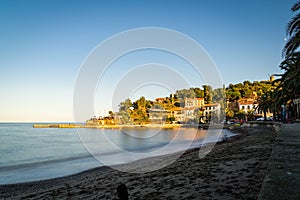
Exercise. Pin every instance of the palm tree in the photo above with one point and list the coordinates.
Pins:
(266, 104)
(289, 87)
(293, 33)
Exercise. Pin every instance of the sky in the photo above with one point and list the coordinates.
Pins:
(44, 44)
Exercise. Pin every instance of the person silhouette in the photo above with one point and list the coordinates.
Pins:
(122, 192)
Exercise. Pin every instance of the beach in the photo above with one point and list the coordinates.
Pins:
(234, 169)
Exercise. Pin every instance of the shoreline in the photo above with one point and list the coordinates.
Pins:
(156, 126)
(226, 170)
(116, 126)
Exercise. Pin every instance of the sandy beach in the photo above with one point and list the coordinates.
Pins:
(234, 169)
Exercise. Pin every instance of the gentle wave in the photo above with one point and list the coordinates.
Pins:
(41, 163)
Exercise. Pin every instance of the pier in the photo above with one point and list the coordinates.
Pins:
(72, 125)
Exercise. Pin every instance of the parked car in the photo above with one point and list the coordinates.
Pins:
(260, 119)
(235, 121)
(263, 119)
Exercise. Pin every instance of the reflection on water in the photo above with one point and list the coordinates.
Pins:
(137, 140)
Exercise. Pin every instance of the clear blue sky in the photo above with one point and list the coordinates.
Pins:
(44, 43)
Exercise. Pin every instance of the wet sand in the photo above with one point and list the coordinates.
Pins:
(234, 169)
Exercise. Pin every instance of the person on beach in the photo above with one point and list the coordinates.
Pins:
(122, 192)
(283, 114)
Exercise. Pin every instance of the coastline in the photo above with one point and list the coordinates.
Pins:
(155, 126)
(233, 169)
(150, 126)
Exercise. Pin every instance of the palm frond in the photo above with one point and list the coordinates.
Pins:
(296, 7)
(293, 26)
(291, 46)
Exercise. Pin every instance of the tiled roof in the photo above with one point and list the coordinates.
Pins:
(210, 104)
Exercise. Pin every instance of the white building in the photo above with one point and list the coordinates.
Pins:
(247, 104)
(193, 102)
(212, 109)
(191, 108)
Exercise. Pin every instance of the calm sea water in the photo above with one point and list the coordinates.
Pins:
(29, 154)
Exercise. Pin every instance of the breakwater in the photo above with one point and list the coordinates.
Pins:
(160, 126)
(72, 125)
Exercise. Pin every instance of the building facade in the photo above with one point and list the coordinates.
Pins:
(296, 103)
(247, 105)
(212, 109)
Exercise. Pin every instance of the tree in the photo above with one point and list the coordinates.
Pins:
(289, 87)
(290, 80)
(266, 104)
(247, 83)
(293, 33)
(207, 93)
(124, 111)
(140, 111)
(241, 114)
(233, 96)
(198, 93)
(229, 113)
(185, 93)
(250, 115)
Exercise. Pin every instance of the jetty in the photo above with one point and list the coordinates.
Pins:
(130, 126)
(73, 125)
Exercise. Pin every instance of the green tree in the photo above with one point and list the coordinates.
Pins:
(241, 114)
(250, 115)
(266, 104)
(124, 111)
(233, 96)
(140, 111)
(185, 93)
(207, 93)
(198, 93)
(229, 113)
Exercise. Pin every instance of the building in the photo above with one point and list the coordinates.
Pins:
(190, 113)
(178, 114)
(247, 104)
(157, 115)
(160, 99)
(193, 102)
(109, 120)
(195, 108)
(212, 109)
(296, 103)
(191, 108)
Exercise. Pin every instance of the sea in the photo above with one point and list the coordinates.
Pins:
(31, 154)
